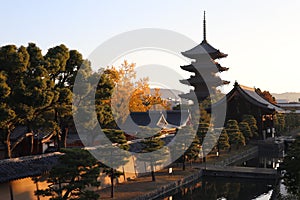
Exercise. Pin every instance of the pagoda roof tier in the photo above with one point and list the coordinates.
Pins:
(204, 48)
(199, 85)
(199, 80)
(189, 68)
(200, 69)
(192, 68)
(221, 68)
(198, 95)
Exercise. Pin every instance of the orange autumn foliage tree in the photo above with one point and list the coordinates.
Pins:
(266, 95)
(131, 95)
(123, 88)
(142, 100)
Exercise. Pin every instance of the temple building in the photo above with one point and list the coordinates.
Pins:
(205, 68)
(243, 100)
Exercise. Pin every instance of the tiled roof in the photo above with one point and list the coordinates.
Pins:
(250, 95)
(18, 132)
(178, 118)
(204, 48)
(156, 119)
(27, 166)
(250, 92)
(151, 119)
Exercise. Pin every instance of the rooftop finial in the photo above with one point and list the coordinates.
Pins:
(204, 28)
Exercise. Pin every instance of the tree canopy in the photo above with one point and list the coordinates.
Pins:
(266, 95)
(291, 165)
(73, 177)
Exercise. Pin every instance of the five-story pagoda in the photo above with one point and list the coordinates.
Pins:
(205, 68)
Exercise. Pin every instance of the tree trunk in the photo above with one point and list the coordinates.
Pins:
(124, 176)
(57, 131)
(11, 191)
(31, 144)
(183, 163)
(112, 183)
(37, 188)
(152, 173)
(8, 145)
(60, 191)
(58, 140)
(64, 135)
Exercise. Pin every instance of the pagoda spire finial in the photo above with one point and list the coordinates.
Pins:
(204, 28)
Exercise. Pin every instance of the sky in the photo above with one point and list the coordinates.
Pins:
(261, 38)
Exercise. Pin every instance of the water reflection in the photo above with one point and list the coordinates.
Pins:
(223, 188)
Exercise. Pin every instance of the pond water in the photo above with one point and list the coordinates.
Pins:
(219, 188)
(224, 188)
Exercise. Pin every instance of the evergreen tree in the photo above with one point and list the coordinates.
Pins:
(236, 138)
(250, 119)
(183, 140)
(147, 132)
(210, 142)
(116, 137)
(70, 178)
(292, 121)
(279, 122)
(202, 131)
(103, 98)
(152, 145)
(62, 65)
(194, 151)
(245, 129)
(24, 84)
(291, 165)
(204, 122)
(223, 142)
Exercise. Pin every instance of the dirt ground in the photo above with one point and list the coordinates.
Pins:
(141, 185)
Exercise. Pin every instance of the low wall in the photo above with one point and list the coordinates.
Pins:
(170, 187)
(23, 189)
(243, 156)
(240, 174)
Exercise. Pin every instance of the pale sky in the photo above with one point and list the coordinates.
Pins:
(261, 37)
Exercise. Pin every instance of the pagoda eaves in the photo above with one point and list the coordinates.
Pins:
(205, 79)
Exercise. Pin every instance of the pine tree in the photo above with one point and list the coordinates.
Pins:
(202, 131)
(116, 137)
(291, 165)
(26, 90)
(104, 91)
(245, 129)
(279, 122)
(70, 178)
(193, 151)
(152, 145)
(250, 119)
(236, 138)
(183, 140)
(223, 142)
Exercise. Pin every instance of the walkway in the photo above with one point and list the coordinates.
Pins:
(132, 189)
(142, 185)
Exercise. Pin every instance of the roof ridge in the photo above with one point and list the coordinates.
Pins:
(247, 87)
